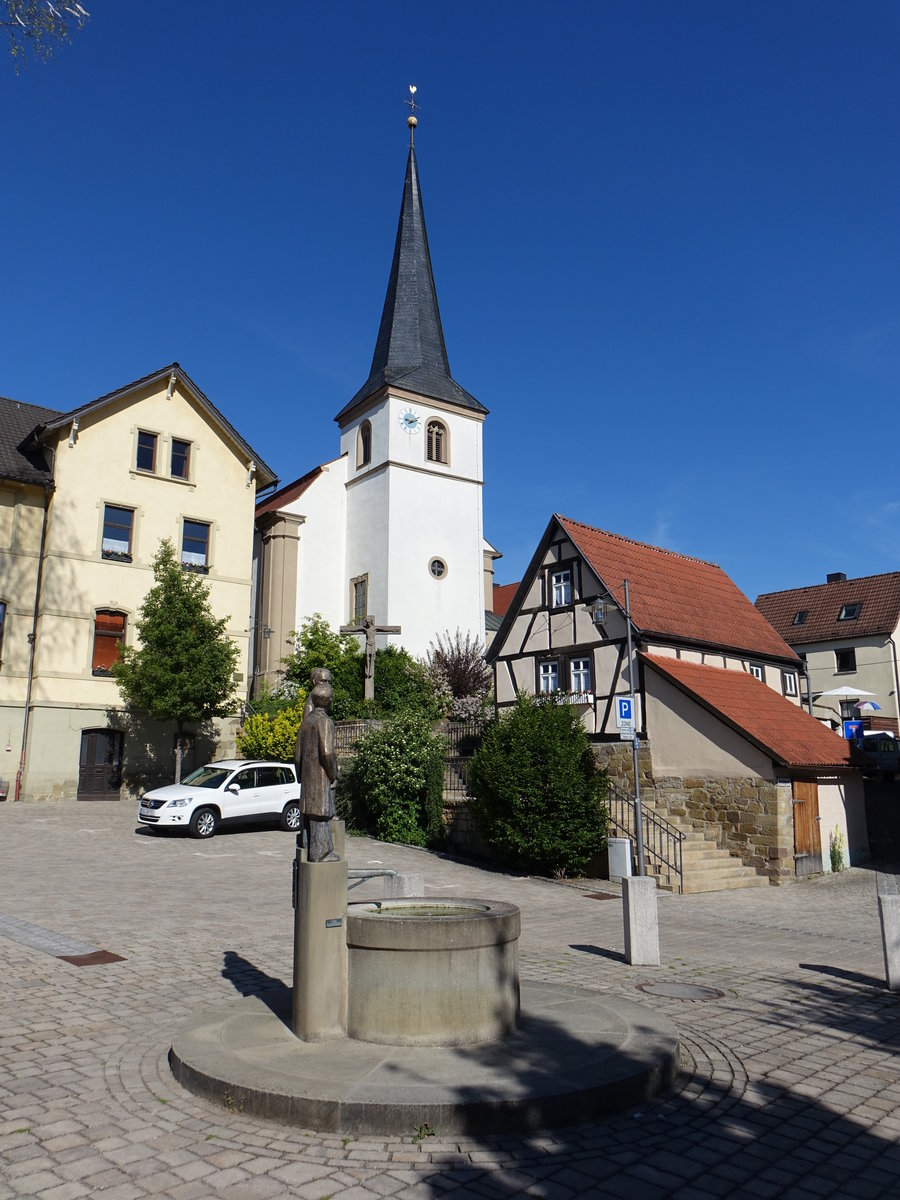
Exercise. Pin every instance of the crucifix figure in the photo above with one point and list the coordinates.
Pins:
(369, 628)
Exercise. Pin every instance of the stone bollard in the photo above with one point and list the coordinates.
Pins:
(639, 912)
(889, 913)
(396, 886)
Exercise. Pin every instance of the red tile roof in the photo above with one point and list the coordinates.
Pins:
(789, 734)
(879, 596)
(290, 492)
(676, 596)
(503, 597)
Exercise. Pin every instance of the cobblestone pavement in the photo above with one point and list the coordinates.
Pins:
(791, 1084)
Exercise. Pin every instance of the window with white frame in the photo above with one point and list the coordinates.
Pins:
(758, 672)
(789, 683)
(580, 676)
(560, 588)
(548, 677)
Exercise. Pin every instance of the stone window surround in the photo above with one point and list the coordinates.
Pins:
(439, 441)
(363, 581)
(163, 453)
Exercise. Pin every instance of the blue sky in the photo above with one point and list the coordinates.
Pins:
(665, 240)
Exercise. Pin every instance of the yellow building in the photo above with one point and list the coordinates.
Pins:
(86, 496)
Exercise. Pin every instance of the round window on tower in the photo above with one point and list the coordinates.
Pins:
(438, 568)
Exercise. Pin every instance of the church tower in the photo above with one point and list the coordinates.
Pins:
(412, 440)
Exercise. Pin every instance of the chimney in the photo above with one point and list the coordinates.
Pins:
(836, 577)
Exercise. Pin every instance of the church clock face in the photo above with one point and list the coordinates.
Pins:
(410, 421)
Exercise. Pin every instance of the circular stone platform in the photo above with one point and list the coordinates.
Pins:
(576, 1055)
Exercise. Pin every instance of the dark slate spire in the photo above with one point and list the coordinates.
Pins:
(410, 350)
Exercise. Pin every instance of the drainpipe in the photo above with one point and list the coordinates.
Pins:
(32, 637)
(809, 703)
(896, 677)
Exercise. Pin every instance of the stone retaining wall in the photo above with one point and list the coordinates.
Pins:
(752, 818)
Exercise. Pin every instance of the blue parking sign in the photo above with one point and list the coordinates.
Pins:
(624, 708)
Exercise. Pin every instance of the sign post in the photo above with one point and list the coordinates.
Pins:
(638, 815)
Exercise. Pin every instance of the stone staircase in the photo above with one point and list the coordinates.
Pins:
(706, 867)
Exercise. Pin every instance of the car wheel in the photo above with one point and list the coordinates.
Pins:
(203, 823)
(292, 817)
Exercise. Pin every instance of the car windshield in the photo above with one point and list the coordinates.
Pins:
(207, 777)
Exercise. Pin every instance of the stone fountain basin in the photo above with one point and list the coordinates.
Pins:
(427, 972)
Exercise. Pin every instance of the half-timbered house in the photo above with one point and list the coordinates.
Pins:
(726, 750)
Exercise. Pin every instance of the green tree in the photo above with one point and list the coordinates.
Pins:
(317, 645)
(402, 683)
(538, 791)
(36, 27)
(183, 670)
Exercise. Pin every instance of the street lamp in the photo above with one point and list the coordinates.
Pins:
(600, 611)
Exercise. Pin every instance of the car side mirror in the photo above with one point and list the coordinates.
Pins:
(235, 788)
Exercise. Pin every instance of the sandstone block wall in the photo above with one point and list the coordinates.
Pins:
(751, 818)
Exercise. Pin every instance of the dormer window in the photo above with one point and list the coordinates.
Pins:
(364, 444)
(849, 612)
(800, 616)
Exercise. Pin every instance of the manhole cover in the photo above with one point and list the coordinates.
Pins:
(681, 991)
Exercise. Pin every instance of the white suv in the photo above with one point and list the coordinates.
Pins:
(234, 789)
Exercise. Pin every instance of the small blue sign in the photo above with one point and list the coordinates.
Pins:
(853, 731)
(624, 708)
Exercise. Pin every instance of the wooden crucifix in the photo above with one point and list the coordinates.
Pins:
(369, 628)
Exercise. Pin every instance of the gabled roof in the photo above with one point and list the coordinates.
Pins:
(878, 595)
(20, 459)
(291, 491)
(789, 734)
(503, 597)
(410, 351)
(264, 474)
(674, 596)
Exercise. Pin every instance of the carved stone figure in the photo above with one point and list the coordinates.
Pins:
(316, 766)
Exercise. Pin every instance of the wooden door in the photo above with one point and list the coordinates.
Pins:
(807, 842)
(100, 764)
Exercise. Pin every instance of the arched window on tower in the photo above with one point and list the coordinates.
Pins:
(364, 445)
(437, 442)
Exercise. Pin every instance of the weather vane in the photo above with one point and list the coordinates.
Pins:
(412, 120)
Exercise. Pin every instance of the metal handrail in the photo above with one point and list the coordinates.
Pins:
(662, 840)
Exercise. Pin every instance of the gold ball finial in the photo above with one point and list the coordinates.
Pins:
(411, 122)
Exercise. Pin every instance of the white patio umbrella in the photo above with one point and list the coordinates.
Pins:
(848, 691)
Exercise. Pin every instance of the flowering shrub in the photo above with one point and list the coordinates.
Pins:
(272, 735)
(394, 787)
(460, 676)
